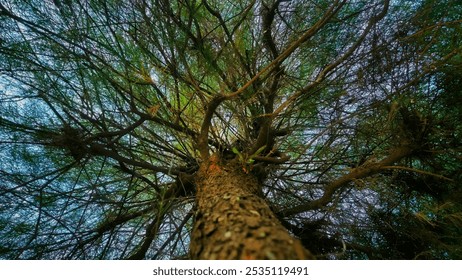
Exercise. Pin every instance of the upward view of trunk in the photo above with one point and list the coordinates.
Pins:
(234, 222)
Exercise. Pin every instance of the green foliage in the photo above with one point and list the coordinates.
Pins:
(104, 106)
(248, 159)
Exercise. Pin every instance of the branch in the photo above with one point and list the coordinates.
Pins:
(111, 224)
(178, 229)
(168, 124)
(99, 149)
(323, 73)
(229, 34)
(271, 160)
(120, 133)
(365, 170)
(267, 22)
(202, 140)
(289, 50)
(139, 176)
(419, 171)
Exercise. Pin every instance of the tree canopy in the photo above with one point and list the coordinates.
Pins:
(347, 112)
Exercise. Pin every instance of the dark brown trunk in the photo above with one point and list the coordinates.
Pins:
(234, 222)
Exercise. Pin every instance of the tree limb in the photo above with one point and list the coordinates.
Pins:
(365, 170)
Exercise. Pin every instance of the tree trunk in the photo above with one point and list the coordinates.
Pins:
(234, 222)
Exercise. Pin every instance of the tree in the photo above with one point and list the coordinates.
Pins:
(230, 130)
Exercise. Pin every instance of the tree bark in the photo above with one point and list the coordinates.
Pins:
(233, 221)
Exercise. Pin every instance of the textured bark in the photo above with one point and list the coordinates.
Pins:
(234, 222)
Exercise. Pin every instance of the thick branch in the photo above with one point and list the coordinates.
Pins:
(202, 140)
(365, 170)
(268, 18)
(271, 160)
